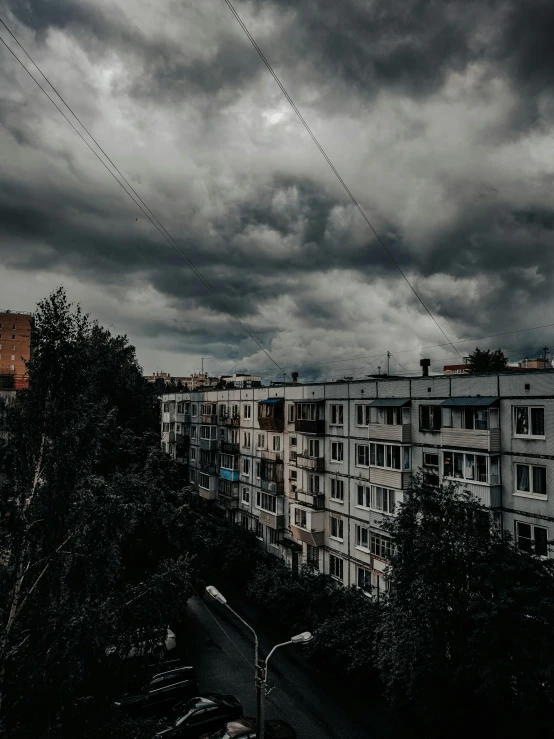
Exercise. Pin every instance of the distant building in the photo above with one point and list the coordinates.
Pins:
(241, 380)
(193, 382)
(16, 329)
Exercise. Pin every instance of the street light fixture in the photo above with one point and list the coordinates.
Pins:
(260, 679)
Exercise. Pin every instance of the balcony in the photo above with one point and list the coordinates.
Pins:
(488, 441)
(229, 447)
(310, 427)
(313, 532)
(489, 495)
(272, 520)
(183, 418)
(168, 436)
(208, 467)
(389, 478)
(316, 464)
(207, 494)
(210, 444)
(228, 494)
(391, 432)
(271, 486)
(233, 421)
(208, 420)
(271, 455)
(232, 475)
(305, 498)
(168, 417)
(271, 414)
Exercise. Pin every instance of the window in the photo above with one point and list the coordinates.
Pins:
(229, 462)
(431, 468)
(364, 580)
(261, 441)
(337, 489)
(382, 499)
(380, 545)
(429, 417)
(390, 457)
(208, 409)
(337, 451)
(336, 415)
(291, 413)
(300, 518)
(193, 454)
(362, 415)
(247, 411)
(336, 567)
(362, 455)
(266, 502)
(13, 337)
(294, 474)
(313, 448)
(192, 475)
(13, 357)
(462, 466)
(193, 409)
(258, 469)
(312, 556)
(245, 495)
(276, 443)
(531, 479)
(532, 539)
(447, 417)
(208, 432)
(293, 440)
(364, 496)
(203, 480)
(246, 440)
(273, 537)
(245, 466)
(362, 537)
(193, 432)
(259, 530)
(244, 522)
(529, 421)
(13, 327)
(314, 484)
(222, 411)
(337, 528)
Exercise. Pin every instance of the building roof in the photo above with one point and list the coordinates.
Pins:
(390, 402)
(465, 402)
(267, 401)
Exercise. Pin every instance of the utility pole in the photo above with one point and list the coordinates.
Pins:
(545, 350)
(388, 364)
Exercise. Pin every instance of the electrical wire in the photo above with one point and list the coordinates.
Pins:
(334, 170)
(139, 202)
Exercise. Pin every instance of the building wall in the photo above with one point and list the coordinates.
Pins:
(15, 345)
(329, 543)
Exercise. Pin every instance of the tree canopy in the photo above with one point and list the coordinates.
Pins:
(487, 360)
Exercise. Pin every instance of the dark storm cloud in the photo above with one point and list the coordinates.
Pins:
(437, 114)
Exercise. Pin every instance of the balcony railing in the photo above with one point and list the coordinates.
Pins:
(183, 418)
(229, 447)
(208, 467)
(278, 488)
(310, 463)
(209, 419)
(313, 537)
(271, 455)
(390, 432)
(209, 444)
(232, 421)
(305, 498)
(310, 427)
(471, 439)
(226, 474)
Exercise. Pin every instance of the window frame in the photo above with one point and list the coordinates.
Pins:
(337, 414)
(337, 485)
(530, 493)
(533, 539)
(337, 448)
(339, 526)
(530, 409)
(336, 563)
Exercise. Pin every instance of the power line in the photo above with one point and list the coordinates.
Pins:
(334, 170)
(139, 202)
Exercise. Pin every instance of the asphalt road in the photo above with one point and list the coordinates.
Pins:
(222, 649)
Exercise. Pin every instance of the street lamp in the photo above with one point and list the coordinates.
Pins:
(260, 679)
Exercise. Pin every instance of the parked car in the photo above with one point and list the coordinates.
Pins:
(245, 728)
(204, 713)
(164, 691)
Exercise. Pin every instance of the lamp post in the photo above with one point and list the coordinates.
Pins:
(260, 670)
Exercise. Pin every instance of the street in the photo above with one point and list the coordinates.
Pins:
(222, 649)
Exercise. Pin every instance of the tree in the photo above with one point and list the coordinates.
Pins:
(466, 632)
(90, 529)
(485, 360)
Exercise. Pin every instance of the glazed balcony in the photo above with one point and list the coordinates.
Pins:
(232, 475)
(209, 468)
(270, 486)
(488, 440)
(391, 432)
(272, 520)
(310, 427)
(229, 447)
(210, 444)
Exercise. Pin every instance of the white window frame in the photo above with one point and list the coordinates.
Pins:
(301, 518)
(380, 543)
(193, 454)
(365, 414)
(365, 572)
(337, 415)
(365, 455)
(530, 493)
(247, 411)
(259, 531)
(388, 493)
(261, 441)
(245, 467)
(204, 486)
(473, 480)
(529, 408)
(360, 536)
(337, 489)
(337, 451)
(245, 497)
(338, 524)
(336, 567)
(533, 537)
(365, 491)
(273, 537)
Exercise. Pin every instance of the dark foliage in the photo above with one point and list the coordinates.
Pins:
(486, 360)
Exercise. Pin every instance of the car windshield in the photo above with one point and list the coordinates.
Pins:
(185, 708)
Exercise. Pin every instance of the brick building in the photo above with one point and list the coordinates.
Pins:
(15, 347)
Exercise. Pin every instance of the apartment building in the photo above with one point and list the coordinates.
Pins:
(15, 348)
(314, 469)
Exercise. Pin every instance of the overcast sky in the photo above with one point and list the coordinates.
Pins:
(438, 115)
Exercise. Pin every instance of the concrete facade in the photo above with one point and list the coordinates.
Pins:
(314, 469)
